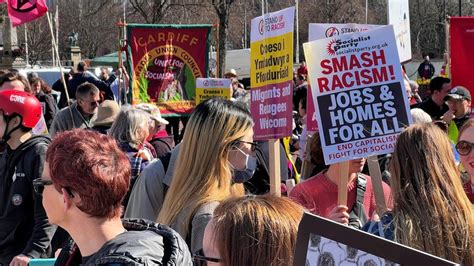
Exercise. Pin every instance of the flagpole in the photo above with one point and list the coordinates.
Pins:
(56, 23)
(26, 46)
(52, 53)
(63, 80)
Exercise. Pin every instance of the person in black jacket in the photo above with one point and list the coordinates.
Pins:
(43, 92)
(59, 87)
(81, 76)
(85, 179)
(24, 229)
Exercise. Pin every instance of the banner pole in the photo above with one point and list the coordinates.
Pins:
(275, 175)
(376, 177)
(307, 166)
(26, 46)
(218, 68)
(55, 46)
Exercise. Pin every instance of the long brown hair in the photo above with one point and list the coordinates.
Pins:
(431, 210)
(256, 230)
(202, 173)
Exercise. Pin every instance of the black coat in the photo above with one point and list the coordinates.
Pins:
(24, 227)
(83, 77)
(144, 243)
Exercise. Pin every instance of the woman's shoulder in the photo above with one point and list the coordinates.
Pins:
(312, 183)
(315, 179)
(206, 209)
(369, 179)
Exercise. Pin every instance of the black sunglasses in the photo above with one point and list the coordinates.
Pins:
(464, 147)
(200, 259)
(39, 184)
(253, 145)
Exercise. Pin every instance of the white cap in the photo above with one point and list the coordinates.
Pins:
(154, 112)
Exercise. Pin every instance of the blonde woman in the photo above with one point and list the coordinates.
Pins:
(431, 211)
(252, 230)
(216, 153)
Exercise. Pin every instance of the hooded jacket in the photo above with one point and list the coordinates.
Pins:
(24, 227)
(144, 243)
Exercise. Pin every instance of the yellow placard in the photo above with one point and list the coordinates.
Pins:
(272, 60)
(203, 94)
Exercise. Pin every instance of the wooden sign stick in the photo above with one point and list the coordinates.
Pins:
(275, 175)
(342, 185)
(307, 166)
(376, 178)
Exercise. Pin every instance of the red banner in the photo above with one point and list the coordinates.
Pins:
(22, 11)
(461, 42)
(165, 62)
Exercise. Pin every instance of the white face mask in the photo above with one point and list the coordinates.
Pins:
(242, 176)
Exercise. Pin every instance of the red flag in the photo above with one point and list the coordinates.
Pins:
(22, 11)
(461, 42)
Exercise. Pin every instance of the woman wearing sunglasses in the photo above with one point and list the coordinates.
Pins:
(465, 148)
(216, 156)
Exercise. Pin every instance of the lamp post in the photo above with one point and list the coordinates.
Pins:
(459, 5)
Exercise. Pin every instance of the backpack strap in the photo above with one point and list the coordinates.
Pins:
(357, 217)
(161, 141)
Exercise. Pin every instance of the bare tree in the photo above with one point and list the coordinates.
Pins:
(152, 12)
(222, 8)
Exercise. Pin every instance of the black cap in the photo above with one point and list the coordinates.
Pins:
(458, 93)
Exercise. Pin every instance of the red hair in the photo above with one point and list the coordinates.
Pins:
(92, 165)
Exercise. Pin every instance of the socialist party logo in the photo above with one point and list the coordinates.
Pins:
(336, 44)
(330, 47)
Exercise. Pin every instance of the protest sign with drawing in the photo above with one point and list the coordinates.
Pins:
(357, 85)
(207, 88)
(324, 242)
(399, 17)
(165, 61)
(271, 71)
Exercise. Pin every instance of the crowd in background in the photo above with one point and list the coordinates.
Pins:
(116, 183)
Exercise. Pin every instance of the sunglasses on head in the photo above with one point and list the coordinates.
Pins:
(200, 259)
(39, 184)
(464, 147)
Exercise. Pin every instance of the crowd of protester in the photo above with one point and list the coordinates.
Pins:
(97, 181)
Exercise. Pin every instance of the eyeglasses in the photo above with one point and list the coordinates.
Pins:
(93, 103)
(253, 145)
(464, 147)
(200, 259)
(39, 184)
